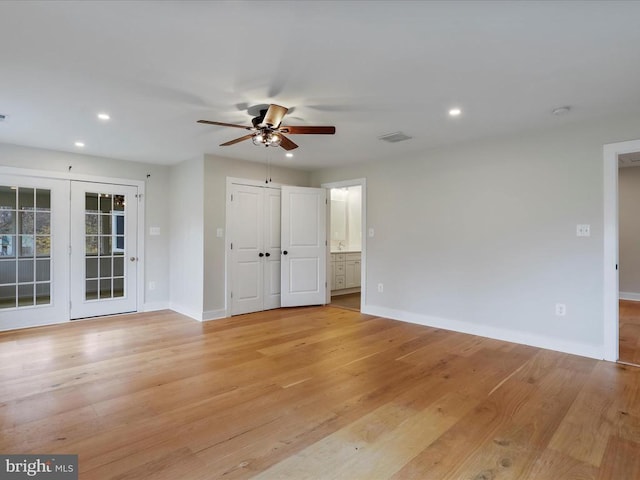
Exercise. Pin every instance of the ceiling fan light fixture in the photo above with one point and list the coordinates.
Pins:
(274, 140)
(258, 139)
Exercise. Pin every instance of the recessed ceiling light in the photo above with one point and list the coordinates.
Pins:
(104, 116)
(454, 112)
(289, 154)
(561, 110)
(79, 144)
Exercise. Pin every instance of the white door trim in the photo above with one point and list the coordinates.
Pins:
(611, 277)
(28, 172)
(363, 262)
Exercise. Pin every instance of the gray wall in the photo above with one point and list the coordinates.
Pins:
(629, 228)
(482, 237)
(216, 171)
(156, 201)
(187, 251)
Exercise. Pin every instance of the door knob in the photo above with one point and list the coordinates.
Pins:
(261, 254)
(267, 254)
(133, 259)
(285, 252)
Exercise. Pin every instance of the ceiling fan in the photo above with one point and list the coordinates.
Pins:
(267, 130)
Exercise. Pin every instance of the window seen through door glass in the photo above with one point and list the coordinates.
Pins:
(25, 247)
(104, 246)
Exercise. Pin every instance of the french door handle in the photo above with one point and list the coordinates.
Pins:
(261, 254)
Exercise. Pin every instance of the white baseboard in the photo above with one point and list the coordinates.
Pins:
(155, 306)
(186, 311)
(584, 350)
(214, 314)
(199, 316)
(630, 296)
(345, 291)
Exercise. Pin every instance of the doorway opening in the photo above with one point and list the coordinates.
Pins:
(346, 244)
(614, 292)
(629, 257)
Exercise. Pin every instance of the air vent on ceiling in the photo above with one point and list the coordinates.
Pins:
(394, 137)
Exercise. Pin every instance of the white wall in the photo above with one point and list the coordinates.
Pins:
(629, 228)
(216, 171)
(187, 234)
(481, 237)
(156, 266)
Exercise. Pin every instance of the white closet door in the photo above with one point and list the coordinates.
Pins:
(34, 251)
(104, 250)
(303, 246)
(247, 227)
(271, 248)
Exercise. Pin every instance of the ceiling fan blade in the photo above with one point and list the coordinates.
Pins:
(287, 144)
(237, 140)
(209, 122)
(274, 115)
(308, 130)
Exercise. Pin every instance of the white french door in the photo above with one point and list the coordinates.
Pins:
(255, 248)
(304, 250)
(104, 261)
(34, 240)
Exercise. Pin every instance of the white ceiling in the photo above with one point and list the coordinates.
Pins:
(367, 67)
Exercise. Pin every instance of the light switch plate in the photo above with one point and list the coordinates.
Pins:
(219, 232)
(371, 232)
(154, 230)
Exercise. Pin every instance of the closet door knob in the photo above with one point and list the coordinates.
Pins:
(267, 254)
(285, 252)
(261, 254)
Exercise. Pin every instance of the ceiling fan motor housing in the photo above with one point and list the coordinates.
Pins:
(256, 121)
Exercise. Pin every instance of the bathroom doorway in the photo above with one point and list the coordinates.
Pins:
(346, 244)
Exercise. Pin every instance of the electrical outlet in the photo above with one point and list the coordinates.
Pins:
(561, 309)
(380, 288)
(583, 230)
(152, 285)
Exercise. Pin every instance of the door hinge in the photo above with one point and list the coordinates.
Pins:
(231, 294)
(69, 249)
(231, 245)
(326, 202)
(232, 197)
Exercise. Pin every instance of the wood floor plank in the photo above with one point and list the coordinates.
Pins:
(313, 392)
(629, 331)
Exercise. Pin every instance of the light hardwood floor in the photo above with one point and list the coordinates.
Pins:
(318, 393)
(350, 301)
(629, 323)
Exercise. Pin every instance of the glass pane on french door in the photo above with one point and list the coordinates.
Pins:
(34, 215)
(103, 249)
